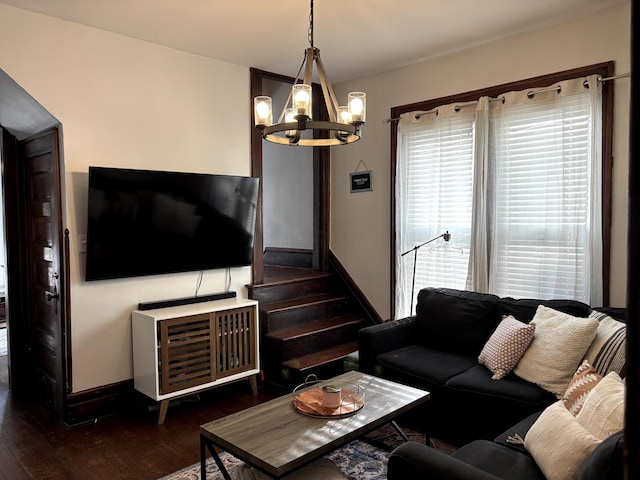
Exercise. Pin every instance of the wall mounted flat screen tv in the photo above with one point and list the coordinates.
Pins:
(143, 222)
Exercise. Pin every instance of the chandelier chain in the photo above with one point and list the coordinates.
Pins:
(310, 34)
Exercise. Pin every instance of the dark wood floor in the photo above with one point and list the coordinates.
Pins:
(36, 445)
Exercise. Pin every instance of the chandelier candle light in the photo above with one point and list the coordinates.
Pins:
(344, 122)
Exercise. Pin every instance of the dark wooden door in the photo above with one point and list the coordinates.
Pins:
(39, 165)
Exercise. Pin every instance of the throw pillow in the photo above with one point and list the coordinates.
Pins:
(581, 384)
(603, 411)
(506, 346)
(559, 444)
(608, 350)
(559, 344)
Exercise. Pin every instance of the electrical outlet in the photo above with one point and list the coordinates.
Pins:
(82, 243)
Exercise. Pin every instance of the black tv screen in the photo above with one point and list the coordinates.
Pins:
(143, 222)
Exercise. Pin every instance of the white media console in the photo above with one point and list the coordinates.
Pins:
(182, 350)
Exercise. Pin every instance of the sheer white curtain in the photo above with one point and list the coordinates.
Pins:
(478, 272)
(433, 190)
(544, 193)
(517, 180)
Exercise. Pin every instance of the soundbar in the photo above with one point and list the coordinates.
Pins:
(185, 301)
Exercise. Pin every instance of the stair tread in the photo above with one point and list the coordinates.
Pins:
(321, 357)
(301, 302)
(308, 328)
(290, 275)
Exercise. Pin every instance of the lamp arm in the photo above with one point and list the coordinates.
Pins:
(446, 235)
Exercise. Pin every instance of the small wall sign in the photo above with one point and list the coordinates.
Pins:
(361, 181)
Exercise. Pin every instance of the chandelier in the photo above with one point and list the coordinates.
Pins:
(344, 122)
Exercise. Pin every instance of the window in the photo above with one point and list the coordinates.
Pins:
(517, 179)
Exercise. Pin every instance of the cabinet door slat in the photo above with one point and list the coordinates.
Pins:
(235, 335)
(186, 352)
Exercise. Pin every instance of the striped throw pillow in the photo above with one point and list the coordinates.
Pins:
(608, 350)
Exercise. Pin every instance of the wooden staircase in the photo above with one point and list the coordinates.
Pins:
(307, 324)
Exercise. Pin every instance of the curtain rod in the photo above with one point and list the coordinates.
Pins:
(435, 110)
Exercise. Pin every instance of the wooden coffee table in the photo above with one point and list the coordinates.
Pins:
(276, 439)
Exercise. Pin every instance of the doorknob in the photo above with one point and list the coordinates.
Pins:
(50, 296)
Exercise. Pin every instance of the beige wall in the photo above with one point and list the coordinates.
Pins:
(360, 223)
(126, 103)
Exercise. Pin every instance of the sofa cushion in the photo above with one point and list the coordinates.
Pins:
(606, 462)
(603, 411)
(524, 309)
(477, 381)
(557, 349)
(413, 460)
(501, 461)
(608, 350)
(581, 384)
(506, 346)
(559, 444)
(424, 362)
(455, 320)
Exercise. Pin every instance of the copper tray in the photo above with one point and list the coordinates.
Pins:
(308, 400)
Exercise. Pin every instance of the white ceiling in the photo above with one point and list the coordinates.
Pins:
(356, 37)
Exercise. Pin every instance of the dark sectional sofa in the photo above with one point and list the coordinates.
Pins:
(498, 460)
(438, 348)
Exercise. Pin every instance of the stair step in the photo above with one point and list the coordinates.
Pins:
(317, 327)
(318, 335)
(305, 285)
(301, 302)
(320, 358)
(283, 314)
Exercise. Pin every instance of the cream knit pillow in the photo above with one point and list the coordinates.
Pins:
(559, 444)
(558, 347)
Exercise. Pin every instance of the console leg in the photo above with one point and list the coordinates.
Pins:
(254, 384)
(162, 411)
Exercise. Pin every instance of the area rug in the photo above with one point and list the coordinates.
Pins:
(358, 460)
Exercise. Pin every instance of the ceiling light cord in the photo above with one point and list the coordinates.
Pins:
(310, 34)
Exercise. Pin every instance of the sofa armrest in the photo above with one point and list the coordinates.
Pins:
(416, 460)
(382, 338)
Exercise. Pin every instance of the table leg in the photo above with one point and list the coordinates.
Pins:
(205, 444)
(203, 460)
(404, 435)
(399, 430)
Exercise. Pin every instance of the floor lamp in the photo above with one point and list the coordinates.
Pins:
(446, 236)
